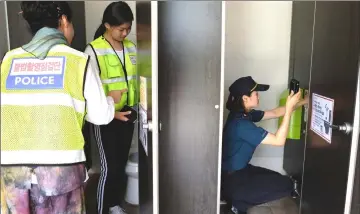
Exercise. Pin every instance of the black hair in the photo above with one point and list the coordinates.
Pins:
(115, 14)
(236, 103)
(41, 14)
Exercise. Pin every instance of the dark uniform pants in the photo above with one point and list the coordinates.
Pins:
(254, 185)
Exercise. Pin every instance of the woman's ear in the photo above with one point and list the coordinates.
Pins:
(107, 26)
(245, 98)
(64, 20)
(63, 23)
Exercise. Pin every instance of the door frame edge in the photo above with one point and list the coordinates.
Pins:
(221, 109)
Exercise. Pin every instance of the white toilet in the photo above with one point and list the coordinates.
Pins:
(132, 190)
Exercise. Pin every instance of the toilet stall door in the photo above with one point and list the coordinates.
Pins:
(334, 76)
(189, 98)
(179, 51)
(147, 60)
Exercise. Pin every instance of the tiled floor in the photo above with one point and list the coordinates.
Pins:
(90, 195)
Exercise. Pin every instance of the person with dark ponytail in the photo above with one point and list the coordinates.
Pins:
(48, 89)
(244, 185)
(115, 58)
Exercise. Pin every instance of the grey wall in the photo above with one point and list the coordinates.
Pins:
(259, 46)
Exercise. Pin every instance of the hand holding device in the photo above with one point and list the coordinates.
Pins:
(294, 86)
(132, 117)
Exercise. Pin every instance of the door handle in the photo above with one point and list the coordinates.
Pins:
(149, 126)
(346, 128)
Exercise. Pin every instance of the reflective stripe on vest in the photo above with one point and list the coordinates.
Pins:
(112, 73)
(102, 52)
(119, 79)
(43, 107)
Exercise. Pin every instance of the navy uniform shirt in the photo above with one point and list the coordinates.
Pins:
(240, 139)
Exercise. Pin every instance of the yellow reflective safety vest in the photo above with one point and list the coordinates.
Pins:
(114, 74)
(43, 107)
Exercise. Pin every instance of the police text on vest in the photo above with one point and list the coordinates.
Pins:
(32, 73)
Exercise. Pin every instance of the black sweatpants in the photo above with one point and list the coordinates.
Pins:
(254, 185)
(114, 142)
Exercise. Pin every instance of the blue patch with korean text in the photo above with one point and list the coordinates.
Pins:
(32, 73)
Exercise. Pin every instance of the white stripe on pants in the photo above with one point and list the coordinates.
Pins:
(103, 169)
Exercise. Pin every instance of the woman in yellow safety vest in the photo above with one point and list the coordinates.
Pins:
(115, 58)
(44, 85)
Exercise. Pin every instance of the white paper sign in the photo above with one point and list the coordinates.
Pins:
(143, 93)
(322, 116)
(143, 133)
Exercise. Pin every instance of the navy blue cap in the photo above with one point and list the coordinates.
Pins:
(246, 85)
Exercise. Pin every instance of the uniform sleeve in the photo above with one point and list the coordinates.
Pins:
(250, 133)
(257, 115)
(100, 109)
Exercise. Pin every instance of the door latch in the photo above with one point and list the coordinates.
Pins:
(345, 128)
(149, 126)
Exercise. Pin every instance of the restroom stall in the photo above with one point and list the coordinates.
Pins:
(316, 43)
(188, 55)
(323, 54)
(258, 46)
(178, 168)
(189, 61)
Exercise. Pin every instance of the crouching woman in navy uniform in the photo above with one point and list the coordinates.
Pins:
(243, 184)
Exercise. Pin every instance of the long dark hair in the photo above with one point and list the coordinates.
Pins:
(236, 103)
(115, 14)
(41, 14)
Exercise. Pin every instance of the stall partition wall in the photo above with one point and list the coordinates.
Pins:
(4, 32)
(334, 74)
(21, 34)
